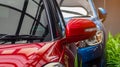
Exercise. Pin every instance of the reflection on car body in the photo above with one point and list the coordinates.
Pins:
(31, 34)
(91, 50)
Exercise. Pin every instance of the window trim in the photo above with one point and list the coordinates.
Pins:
(52, 10)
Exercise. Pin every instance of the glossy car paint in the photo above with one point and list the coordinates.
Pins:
(92, 55)
(61, 49)
(39, 54)
(85, 26)
(35, 54)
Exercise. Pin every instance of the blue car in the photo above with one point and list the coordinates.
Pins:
(91, 50)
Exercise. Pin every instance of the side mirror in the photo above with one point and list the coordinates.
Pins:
(79, 29)
(102, 14)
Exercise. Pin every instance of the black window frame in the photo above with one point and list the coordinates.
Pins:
(24, 13)
(21, 11)
(53, 15)
(53, 10)
(41, 7)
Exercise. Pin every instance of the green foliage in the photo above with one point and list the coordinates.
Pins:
(76, 61)
(113, 51)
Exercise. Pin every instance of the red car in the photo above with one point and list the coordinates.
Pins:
(31, 34)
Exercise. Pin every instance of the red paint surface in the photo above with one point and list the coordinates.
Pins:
(33, 55)
(79, 29)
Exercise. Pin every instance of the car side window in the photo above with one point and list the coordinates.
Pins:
(43, 31)
(42, 27)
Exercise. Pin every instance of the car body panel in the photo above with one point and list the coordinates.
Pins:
(91, 55)
(35, 54)
(92, 52)
(24, 54)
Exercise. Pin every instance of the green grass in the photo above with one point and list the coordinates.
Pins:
(113, 51)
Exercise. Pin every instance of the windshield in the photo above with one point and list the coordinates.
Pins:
(24, 19)
(75, 8)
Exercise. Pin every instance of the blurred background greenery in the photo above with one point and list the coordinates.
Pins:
(113, 50)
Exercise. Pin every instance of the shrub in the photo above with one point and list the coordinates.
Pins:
(113, 51)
